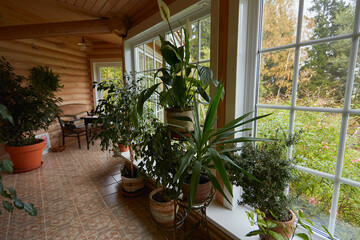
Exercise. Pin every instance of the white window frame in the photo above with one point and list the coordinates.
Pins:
(250, 100)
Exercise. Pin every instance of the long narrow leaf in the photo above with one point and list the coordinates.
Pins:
(220, 168)
(214, 103)
(227, 159)
(194, 182)
(185, 160)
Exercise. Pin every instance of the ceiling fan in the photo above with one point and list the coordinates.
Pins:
(83, 45)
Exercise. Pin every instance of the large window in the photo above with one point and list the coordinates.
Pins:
(148, 57)
(309, 77)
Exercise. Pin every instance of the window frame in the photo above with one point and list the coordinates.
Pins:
(251, 100)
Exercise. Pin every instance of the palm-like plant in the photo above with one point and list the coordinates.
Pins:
(208, 148)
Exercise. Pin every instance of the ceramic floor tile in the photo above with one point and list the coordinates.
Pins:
(77, 195)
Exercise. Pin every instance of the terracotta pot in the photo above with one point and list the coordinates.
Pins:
(162, 212)
(202, 192)
(123, 148)
(132, 184)
(171, 113)
(26, 158)
(290, 226)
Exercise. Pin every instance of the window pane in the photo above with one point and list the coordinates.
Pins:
(158, 56)
(103, 73)
(194, 43)
(327, 18)
(318, 145)
(111, 73)
(323, 73)
(140, 58)
(118, 73)
(205, 26)
(276, 74)
(279, 22)
(267, 126)
(351, 164)
(148, 47)
(313, 196)
(356, 90)
(348, 213)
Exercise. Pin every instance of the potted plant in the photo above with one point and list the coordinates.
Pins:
(6, 166)
(178, 77)
(266, 226)
(208, 148)
(120, 124)
(160, 161)
(268, 163)
(33, 107)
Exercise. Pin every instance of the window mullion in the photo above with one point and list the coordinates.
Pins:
(296, 73)
(345, 119)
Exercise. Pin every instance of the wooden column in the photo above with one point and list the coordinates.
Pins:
(222, 67)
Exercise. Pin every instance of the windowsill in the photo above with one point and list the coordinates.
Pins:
(232, 222)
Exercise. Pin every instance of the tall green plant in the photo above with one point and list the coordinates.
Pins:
(118, 118)
(208, 148)
(160, 158)
(178, 77)
(31, 102)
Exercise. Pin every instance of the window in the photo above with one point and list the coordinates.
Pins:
(109, 73)
(308, 75)
(148, 58)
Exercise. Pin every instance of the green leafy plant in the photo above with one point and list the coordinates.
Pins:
(6, 166)
(160, 158)
(178, 77)
(118, 118)
(268, 163)
(267, 225)
(31, 102)
(208, 148)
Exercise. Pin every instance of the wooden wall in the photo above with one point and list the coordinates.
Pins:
(63, 56)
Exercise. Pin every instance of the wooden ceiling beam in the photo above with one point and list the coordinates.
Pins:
(117, 25)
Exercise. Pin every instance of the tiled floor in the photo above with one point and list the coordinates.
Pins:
(76, 194)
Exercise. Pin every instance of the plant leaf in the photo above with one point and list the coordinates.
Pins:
(7, 165)
(18, 203)
(254, 233)
(303, 236)
(220, 168)
(8, 206)
(194, 182)
(30, 209)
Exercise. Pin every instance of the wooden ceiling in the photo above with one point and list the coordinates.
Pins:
(14, 14)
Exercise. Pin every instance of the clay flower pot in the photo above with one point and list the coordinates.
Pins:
(123, 148)
(26, 158)
(289, 225)
(172, 113)
(162, 212)
(202, 192)
(132, 185)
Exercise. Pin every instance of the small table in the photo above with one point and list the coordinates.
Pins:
(87, 120)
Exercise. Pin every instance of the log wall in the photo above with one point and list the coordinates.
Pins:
(64, 58)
